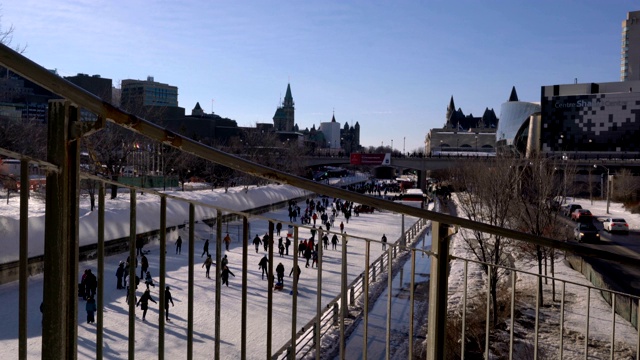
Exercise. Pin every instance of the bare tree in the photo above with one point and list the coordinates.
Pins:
(486, 193)
(625, 186)
(542, 186)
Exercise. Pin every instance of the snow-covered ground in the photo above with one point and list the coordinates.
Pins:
(575, 304)
(115, 308)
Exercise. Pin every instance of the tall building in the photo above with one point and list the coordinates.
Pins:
(97, 85)
(630, 61)
(284, 118)
(138, 93)
(331, 131)
(150, 100)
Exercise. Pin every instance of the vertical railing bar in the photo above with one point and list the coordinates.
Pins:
(270, 292)
(411, 300)
(613, 323)
(132, 273)
(318, 333)
(218, 295)
(101, 255)
(191, 279)
(343, 296)
(513, 312)
(586, 336)
(365, 294)
(294, 298)
(488, 314)
(537, 322)
(564, 285)
(245, 266)
(637, 325)
(389, 298)
(24, 258)
(465, 276)
(163, 269)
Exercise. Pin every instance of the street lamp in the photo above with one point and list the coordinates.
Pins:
(476, 143)
(608, 185)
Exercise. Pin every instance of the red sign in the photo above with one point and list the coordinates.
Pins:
(370, 159)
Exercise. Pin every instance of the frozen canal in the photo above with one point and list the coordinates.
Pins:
(400, 309)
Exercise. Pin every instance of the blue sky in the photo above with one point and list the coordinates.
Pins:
(392, 66)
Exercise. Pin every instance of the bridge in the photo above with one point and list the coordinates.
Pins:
(61, 265)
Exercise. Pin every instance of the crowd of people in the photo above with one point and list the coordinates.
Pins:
(320, 213)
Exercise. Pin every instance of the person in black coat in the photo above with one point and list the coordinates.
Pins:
(225, 275)
(264, 262)
(257, 242)
(307, 255)
(280, 273)
(144, 265)
(167, 299)
(90, 284)
(144, 300)
(139, 245)
(120, 275)
(205, 250)
(296, 276)
(179, 245)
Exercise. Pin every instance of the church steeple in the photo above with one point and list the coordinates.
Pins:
(284, 118)
(288, 99)
(450, 110)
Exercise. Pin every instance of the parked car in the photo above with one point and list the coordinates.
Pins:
(586, 232)
(364, 208)
(570, 208)
(582, 215)
(615, 224)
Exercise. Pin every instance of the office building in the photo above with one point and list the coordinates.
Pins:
(630, 54)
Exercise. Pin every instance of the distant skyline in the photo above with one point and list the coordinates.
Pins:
(391, 66)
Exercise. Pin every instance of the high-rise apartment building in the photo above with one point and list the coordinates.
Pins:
(630, 55)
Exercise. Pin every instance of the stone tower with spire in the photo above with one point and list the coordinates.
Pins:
(284, 118)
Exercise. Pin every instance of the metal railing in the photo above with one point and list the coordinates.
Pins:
(59, 331)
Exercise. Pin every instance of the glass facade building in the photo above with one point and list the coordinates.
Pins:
(513, 128)
(593, 118)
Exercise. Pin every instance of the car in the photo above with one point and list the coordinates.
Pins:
(582, 215)
(364, 209)
(586, 232)
(570, 208)
(615, 224)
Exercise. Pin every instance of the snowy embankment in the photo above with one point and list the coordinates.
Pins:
(600, 324)
(147, 213)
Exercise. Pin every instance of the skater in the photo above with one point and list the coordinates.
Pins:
(280, 273)
(167, 299)
(205, 250)
(314, 257)
(90, 284)
(313, 231)
(341, 226)
(325, 240)
(227, 241)
(334, 241)
(265, 242)
(144, 265)
(224, 262)
(281, 249)
(148, 280)
(307, 255)
(144, 300)
(287, 243)
(139, 245)
(278, 228)
(384, 242)
(179, 245)
(296, 277)
(225, 275)
(207, 263)
(91, 308)
(257, 242)
(302, 247)
(263, 265)
(120, 275)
